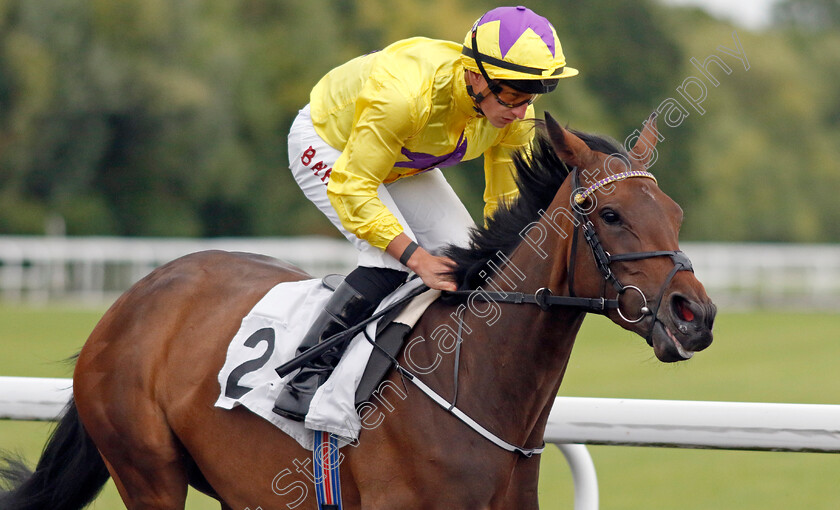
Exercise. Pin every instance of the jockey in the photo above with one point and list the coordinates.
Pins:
(368, 150)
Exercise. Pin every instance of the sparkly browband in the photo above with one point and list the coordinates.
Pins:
(581, 197)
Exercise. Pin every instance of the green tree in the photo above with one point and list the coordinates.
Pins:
(169, 117)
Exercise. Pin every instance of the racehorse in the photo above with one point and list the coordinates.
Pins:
(580, 238)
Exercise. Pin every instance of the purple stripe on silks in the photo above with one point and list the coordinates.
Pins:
(514, 22)
(422, 161)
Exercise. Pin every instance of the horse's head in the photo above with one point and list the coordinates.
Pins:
(626, 246)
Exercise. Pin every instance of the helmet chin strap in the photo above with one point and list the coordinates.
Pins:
(477, 99)
(492, 85)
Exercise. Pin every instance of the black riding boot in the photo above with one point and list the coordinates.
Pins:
(345, 308)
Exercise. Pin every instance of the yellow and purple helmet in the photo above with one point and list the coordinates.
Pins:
(516, 46)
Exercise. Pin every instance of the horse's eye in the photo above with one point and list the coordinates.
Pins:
(610, 217)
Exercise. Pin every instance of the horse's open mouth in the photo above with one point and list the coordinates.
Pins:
(680, 349)
(666, 346)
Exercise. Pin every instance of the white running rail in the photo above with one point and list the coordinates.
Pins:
(97, 269)
(33, 398)
(575, 421)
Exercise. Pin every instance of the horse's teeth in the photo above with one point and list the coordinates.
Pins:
(684, 353)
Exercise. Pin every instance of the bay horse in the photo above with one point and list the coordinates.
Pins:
(578, 239)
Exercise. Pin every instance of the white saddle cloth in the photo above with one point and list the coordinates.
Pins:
(248, 377)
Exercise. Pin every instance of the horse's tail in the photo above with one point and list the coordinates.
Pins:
(69, 475)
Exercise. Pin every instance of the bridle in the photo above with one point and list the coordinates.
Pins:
(603, 259)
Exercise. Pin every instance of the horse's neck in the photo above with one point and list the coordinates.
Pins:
(513, 356)
(523, 355)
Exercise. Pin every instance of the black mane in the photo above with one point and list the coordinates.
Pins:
(538, 178)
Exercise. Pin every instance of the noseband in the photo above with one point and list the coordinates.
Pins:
(603, 259)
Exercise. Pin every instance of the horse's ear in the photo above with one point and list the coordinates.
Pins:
(644, 150)
(569, 148)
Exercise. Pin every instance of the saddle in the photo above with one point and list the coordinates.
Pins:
(391, 331)
(269, 335)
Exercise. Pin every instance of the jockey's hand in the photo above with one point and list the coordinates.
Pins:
(433, 270)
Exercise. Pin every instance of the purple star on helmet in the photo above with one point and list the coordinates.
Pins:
(514, 21)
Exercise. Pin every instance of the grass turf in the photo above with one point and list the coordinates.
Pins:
(762, 357)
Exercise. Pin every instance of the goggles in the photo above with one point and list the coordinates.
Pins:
(496, 95)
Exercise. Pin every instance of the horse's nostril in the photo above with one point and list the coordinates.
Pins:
(682, 308)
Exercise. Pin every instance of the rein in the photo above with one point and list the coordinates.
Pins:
(542, 298)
